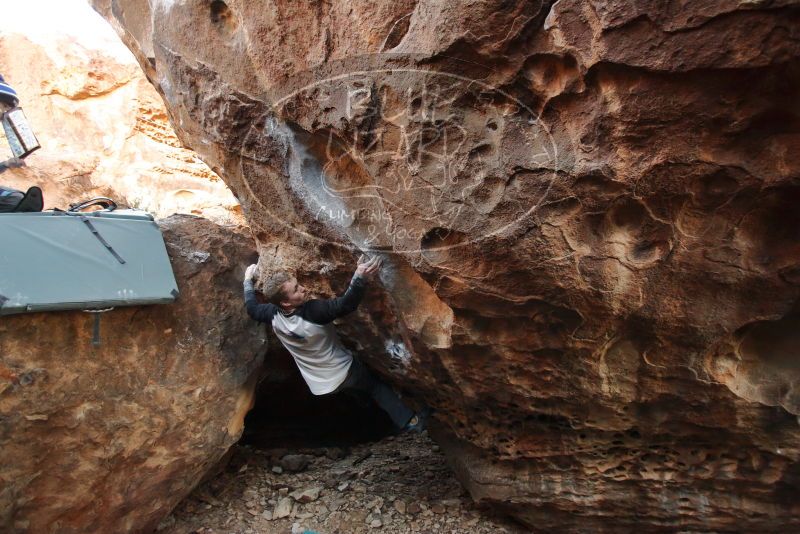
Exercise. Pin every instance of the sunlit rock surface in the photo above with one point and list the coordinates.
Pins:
(110, 438)
(591, 210)
(104, 132)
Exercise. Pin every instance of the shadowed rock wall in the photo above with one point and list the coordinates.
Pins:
(590, 216)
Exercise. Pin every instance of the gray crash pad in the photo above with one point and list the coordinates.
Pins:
(61, 261)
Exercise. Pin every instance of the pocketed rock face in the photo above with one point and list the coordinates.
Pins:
(110, 438)
(591, 214)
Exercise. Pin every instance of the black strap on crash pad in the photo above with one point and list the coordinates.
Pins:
(96, 330)
(96, 325)
(91, 227)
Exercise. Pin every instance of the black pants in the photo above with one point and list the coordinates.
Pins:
(360, 378)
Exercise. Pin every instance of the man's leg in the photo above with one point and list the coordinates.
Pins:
(361, 378)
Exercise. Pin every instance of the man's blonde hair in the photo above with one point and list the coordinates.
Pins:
(272, 286)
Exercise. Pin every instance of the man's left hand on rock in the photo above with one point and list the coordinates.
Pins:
(369, 267)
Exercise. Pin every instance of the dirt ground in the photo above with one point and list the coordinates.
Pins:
(397, 485)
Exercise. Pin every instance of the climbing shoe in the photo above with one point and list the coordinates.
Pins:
(419, 422)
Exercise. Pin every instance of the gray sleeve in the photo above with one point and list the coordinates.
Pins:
(260, 312)
(324, 311)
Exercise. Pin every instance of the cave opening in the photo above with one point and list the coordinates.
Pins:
(286, 414)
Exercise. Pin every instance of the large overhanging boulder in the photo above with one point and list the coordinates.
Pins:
(590, 213)
(110, 438)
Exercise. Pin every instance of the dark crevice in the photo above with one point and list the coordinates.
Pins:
(286, 414)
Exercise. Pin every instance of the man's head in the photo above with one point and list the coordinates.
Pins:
(282, 289)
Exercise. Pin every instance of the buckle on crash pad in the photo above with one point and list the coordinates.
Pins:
(96, 325)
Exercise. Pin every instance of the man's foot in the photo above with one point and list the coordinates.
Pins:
(419, 422)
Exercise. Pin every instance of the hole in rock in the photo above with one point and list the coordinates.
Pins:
(222, 16)
(713, 190)
(768, 367)
(397, 32)
(287, 414)
(769, 235)
(437, 244)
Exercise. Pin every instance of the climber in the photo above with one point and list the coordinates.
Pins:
(305, 327)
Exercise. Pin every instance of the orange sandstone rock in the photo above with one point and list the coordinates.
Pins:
(589, 213)
(104, 132)
(111, 438)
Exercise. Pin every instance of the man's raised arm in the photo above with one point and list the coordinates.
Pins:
(260, 312)
(325, 311)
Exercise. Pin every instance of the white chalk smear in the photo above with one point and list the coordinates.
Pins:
(398, 352)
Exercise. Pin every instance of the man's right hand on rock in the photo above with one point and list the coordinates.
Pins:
(250, 273)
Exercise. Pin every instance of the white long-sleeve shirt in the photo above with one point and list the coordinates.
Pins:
(309, 335)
